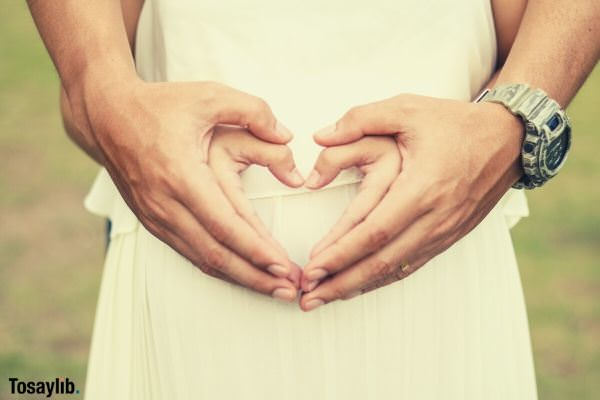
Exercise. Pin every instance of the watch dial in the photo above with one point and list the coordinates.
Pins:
(557, 150)
(554, 122)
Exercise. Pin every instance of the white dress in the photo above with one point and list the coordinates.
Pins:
(456, 329)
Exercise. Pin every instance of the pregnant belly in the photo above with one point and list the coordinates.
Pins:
(298, 221)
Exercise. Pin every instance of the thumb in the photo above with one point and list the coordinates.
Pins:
(235, 107)
(379, 118)
(277, 158)
(332, 160)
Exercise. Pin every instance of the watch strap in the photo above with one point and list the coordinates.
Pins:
(532, 105)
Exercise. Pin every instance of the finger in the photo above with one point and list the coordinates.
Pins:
(253, 113)
(276, 157)
(202, 195)
(388, 265)
(184, 249)
(373, 187)
(370, 193)
(412, 249)
(232, 150)
(400, 207)
(359, 208)
(191, 240)
(332, 160)
(227, 161)
(232, 187)
(383, 117)
(231, 184)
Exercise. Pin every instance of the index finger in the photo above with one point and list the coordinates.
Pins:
(399, 208)
(232, 187)
(203, 197)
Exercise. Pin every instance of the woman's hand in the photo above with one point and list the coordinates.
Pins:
(378, 159)
(154, 140)
(232, 150)
(458, 159)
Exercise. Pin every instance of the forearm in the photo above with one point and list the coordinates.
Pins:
(86, 40)
(556, 47)
(81, 136)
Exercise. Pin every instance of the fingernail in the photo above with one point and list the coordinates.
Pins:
(324, 132)
(296, 178)
(279, 270)
(283, 131)
(312, 285)
(316, 274)
(284, 294)
(314, 303)
(313, 179)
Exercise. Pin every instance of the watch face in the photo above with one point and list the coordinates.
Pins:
(554, 122)
(557, 150)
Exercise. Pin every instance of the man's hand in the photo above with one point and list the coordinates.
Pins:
(155, 139)
(458, 159)
(232, 150)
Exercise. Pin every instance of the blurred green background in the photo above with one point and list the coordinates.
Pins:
(51, 249)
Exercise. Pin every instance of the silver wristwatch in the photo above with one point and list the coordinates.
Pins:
(547, 131)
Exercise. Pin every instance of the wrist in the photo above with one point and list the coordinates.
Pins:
(99, 90)
(102, 79)
(546, 126)
(510, 132)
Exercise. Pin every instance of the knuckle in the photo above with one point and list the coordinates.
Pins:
(218, 259)
(337, 292)
(444, 227)
(220, 231)
(381, 268)
(257, 256)
(150, 225)
(151, 207)
(206, 269)
(158, 209)
(377, 237)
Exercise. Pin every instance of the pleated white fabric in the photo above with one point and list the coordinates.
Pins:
(456, 329)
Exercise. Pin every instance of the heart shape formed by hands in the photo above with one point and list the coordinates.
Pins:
(233, 149)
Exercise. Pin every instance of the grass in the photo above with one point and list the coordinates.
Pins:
(558, 248)
(51, 250)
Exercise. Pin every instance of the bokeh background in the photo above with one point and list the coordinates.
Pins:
(51, 249)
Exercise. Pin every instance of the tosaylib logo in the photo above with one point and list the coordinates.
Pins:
(47, 388)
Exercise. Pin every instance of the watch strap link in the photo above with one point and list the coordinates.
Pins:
(532, 105)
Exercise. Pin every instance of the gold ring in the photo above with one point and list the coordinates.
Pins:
(404, 267)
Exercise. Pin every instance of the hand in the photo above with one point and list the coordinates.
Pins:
(378, 159)
(458, 159)
(231, 151)
(154, 139)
